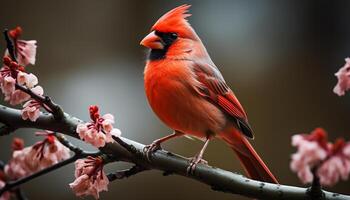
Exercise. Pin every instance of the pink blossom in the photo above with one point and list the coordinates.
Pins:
(13, 72)
(99, 130)
(8, 85)
(4, 71)
(90, 177)
(308, 155)
(331, 162)
(38, 90)
(343, 76)
(311, 151)
(30, 80)
(37, 157)
(31, 110)
(16, 167)
(21, 78)
(17, 97)
(332, 170)
(25, 50)
(82, 130)
(337, 166)
(108, 121)
(97, 139)
(305, 175)
(49, 151)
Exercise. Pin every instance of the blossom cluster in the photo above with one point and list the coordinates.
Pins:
(14, 72)
(90, 177)
(99, 131)
(41, 155)
(20, 87)
(330, 162)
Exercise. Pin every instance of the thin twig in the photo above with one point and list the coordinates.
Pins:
(126, 173)
(315, 191)
(49, 105)
(62, 139)
(10, 46)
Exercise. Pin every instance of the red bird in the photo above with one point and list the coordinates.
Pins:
(188, 93)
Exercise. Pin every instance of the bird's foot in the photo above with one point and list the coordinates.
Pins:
(151, 148)
(193, 164)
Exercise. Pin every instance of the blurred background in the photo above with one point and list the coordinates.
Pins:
(279, 57)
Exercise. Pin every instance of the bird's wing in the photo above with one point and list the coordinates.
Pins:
(214, 88)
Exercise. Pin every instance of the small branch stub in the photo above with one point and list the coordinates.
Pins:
(315, 191)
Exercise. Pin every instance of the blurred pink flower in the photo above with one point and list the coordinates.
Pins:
(16, 167)
(37, 157)
(49, 151)
(309, 154)
(343, 76)
(99, 130)
(330, 161)
(337, 166)
(90, 177)
(31, 110)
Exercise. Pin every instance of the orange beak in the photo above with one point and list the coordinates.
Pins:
(152, 41)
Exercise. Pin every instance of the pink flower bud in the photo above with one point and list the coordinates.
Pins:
(90, 177)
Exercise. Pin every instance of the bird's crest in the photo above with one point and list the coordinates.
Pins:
(175, 21)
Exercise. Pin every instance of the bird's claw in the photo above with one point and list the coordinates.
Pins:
(151, 148)
(193, 164)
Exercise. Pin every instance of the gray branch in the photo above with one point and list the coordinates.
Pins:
(168, 162)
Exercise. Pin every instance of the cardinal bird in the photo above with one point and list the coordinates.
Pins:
(188, 93)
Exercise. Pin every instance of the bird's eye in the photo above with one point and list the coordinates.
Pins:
(158, 33)
(173, 36)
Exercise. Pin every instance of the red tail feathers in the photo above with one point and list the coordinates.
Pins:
(251, 161)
